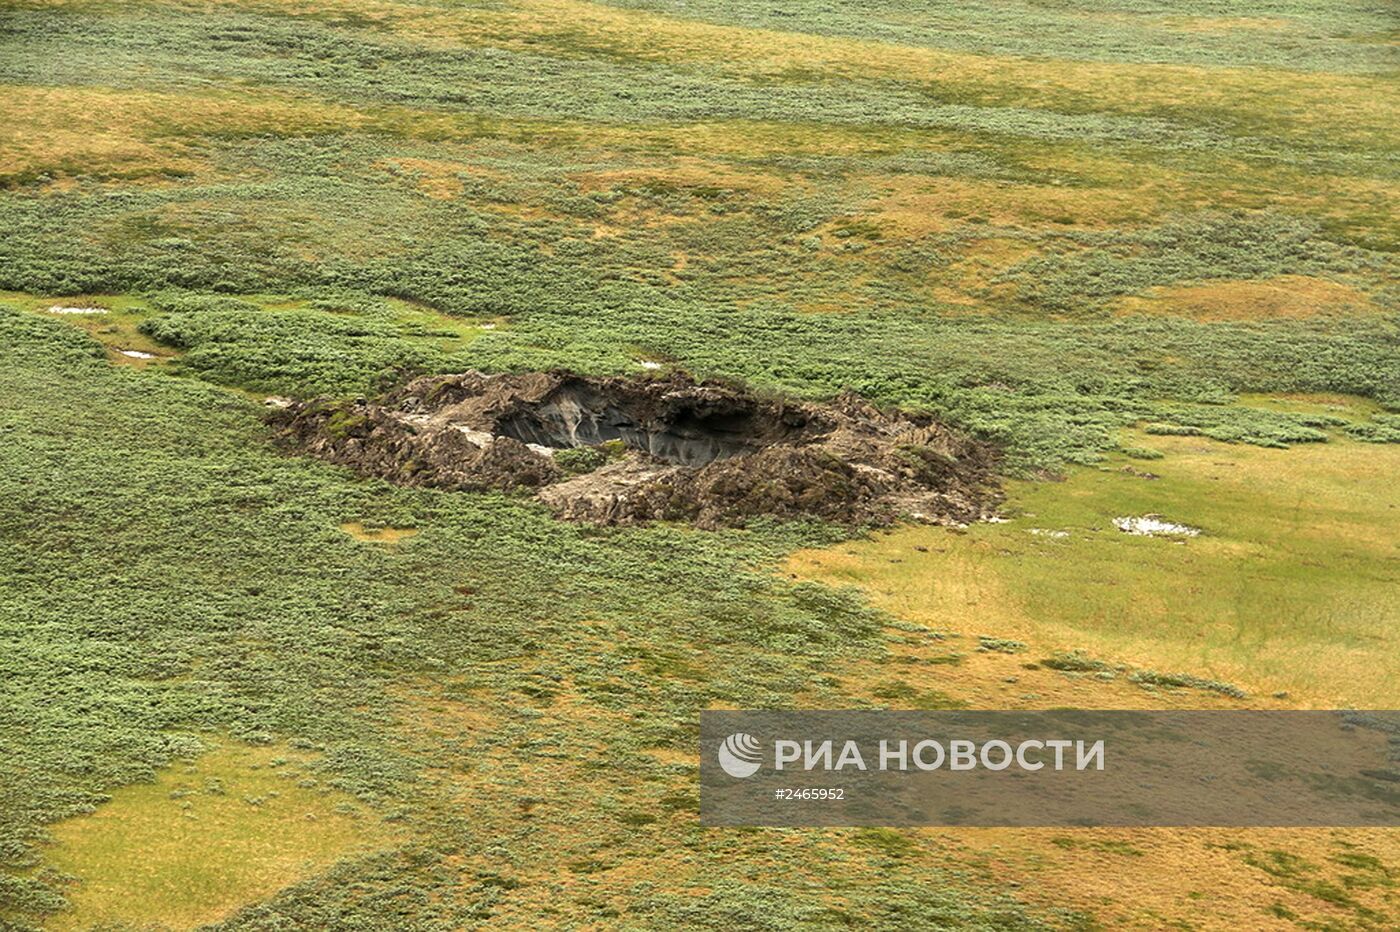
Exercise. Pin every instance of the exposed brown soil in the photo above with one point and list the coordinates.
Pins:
(665, 448)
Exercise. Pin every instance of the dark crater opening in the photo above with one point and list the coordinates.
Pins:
(683, 429)
(710, 453)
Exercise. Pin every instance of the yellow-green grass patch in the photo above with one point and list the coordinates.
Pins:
(1329, 403)
(1297, 103)
(207, 836)
(105, 133)
(377, 535)
(115, 328)
(1287, 296)
(1307, 102)
(57, 136)
(1290, 587)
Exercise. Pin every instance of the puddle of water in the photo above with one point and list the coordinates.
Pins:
(139, 359)
(67, 309)
(382, 535)
(1153, 526)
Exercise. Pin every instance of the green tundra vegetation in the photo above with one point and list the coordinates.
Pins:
(1147, 248)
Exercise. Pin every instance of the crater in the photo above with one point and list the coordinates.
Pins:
(681, 428)
(621, 451)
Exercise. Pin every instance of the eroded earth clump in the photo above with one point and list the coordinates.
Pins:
(620, 451)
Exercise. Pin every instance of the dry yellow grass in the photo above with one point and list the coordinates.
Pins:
(1204, 879)
(111, 132)
(104, 133)
(1287, 296)
(1306, 102)
(67, 130)
(917, 206)
(686, 172)
(1343, 106)
(437, 179)
(380, 535)
(1229, 23)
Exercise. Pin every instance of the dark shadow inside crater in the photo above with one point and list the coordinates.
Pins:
(682, 431)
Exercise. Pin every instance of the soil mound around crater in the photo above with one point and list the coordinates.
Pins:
(623, 451)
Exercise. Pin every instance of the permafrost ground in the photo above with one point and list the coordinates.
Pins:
(619, 451)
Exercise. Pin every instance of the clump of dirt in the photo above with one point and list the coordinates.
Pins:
(646, 449)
